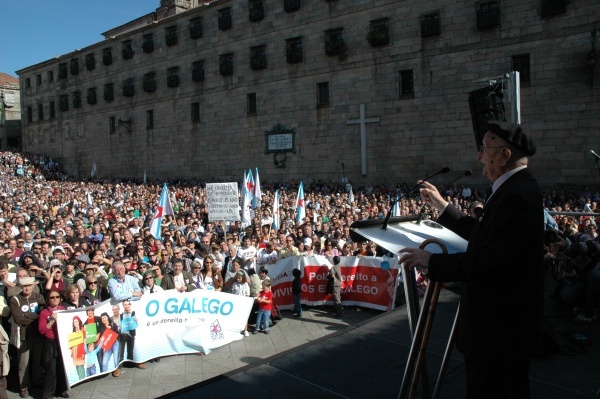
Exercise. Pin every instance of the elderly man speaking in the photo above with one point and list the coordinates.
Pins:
(502, 302)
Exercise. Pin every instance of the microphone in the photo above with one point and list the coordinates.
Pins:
(465, 174)
(594, 154)
(422, 212)
(387, 217)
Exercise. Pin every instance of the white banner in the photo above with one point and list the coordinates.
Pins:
(95, 340)
(223, 201)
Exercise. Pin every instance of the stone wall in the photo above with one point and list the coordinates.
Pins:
(416, 135)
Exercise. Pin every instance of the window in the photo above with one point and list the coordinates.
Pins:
(196, 112)
(430, 24)
(251, 103)
(291, 5)
(196, 28)
(521, 63)
(334, 42)
(488, 15)
(171, 35)
(77, 99)
(198, 71)
(52, 110)
(148, 42)
(50, 76)
(150, 119)
(322, 94)
(109, 92)
(91, 96)
(29, 114)
(112, 126)
(107, 56)
(27, 83)
(64, 103)
(256, 10)
(173, 77)
(38, 80)
(553, 7)
(74, 66)
(379, 33)
(293, 50)
(127, 49)
(149, 82)
(90, 61)
(40, 112)
(128, 87)
(225, 21)
(258, 59)
(226, 64)
(62, 70)
(407, 89)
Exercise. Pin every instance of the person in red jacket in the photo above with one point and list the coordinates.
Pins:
(265, 304)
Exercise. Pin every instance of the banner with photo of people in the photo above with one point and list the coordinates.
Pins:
(366, 281)
(96, 340)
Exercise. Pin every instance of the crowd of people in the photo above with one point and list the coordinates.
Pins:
(67, 239)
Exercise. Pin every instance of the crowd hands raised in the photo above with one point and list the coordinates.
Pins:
(69, 238)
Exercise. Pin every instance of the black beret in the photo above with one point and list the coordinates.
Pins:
(514, 135)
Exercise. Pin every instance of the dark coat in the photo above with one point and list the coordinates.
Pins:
(168, 283)
(501, 306)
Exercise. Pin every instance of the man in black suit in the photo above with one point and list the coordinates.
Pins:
(502, 302)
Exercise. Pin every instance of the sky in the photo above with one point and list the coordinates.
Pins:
(34, 31)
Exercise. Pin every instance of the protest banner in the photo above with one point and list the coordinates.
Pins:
(223, 201)
(161, 324)
(366, 281)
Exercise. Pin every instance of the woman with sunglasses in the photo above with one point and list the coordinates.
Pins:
(74, 300)
(94, 292)
(55, 382)
(149, 285)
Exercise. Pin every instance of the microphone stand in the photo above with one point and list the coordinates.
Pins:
(389, 214)
(465, 174)
(597, 158)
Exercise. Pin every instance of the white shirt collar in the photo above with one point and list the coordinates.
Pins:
(502, 179)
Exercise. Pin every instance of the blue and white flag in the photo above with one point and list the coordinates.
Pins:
(396, 208)
(256, 193)
(164, 208)
(276, 218)
(300, 208)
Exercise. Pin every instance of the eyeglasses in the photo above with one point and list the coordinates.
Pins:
(208, 263)
(176, 253)
(92, 283)
(54, 297)
(152, 254)
(482, 148)
(139, 240)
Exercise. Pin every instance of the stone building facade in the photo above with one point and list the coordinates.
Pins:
(10, 112)
(190, 89)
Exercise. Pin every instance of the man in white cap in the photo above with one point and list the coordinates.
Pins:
(25, 308)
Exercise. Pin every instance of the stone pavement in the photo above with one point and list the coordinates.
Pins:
(175, 372)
